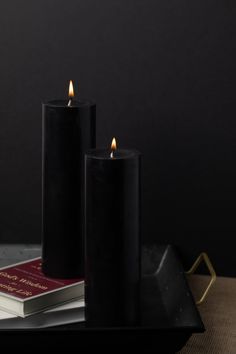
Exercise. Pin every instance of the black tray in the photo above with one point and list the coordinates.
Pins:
(169, 315)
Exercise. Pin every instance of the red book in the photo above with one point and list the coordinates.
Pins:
(25, 290)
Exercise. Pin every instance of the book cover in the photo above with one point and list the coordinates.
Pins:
(24, 289)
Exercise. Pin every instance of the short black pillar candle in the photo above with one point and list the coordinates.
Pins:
(112, 238)
(68, 131)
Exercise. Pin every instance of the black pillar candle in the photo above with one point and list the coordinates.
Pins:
(68, 130)
(112, 239)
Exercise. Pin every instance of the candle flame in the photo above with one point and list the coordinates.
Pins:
(113, 144)
(71, 90)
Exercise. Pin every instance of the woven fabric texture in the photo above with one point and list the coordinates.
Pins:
(218, 313)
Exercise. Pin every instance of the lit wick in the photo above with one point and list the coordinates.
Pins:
(113, 148)
(71, 93)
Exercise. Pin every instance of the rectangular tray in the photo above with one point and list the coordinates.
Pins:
(169, 315)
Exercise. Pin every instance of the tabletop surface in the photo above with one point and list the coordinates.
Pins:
(218, 312)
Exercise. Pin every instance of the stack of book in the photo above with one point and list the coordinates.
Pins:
(28, 299)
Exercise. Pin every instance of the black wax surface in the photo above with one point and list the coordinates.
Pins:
(112, 256)
(74, 103)
(67, 133)
(106, 154)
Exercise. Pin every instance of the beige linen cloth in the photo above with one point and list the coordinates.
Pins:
(218, 313)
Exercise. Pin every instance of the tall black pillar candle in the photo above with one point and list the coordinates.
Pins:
(112, 238)
(68, 130)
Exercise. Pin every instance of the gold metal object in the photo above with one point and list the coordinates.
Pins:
(203, 257)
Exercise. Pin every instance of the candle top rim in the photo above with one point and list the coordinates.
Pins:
(64, 103)
(119, 154)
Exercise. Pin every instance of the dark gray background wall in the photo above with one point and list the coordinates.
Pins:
(163, 74)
